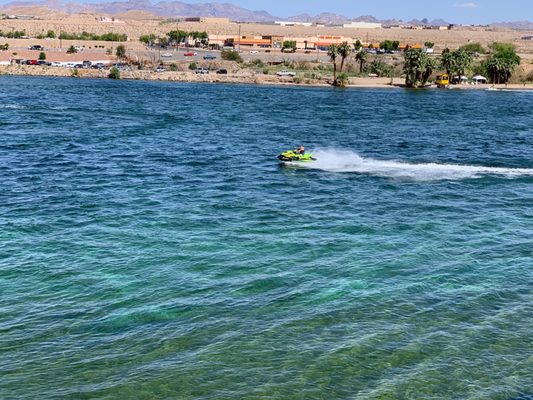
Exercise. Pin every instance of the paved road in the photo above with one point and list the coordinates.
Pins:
(247, 55)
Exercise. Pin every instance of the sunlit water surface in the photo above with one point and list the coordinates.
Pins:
(151, 246)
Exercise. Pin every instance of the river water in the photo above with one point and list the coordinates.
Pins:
(152, 247)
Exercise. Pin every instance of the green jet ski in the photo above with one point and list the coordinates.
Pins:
(291, 157)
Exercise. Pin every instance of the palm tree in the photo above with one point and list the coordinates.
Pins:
(499, 69)
(344, 51)
(493, 66)
(463, 59)
(418, 67)
(456, 62)
(447, 61)
(430, 65)
(333, 52)
(361, 56)
(502, 62)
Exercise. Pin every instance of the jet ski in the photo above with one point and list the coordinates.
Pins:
(291, 157)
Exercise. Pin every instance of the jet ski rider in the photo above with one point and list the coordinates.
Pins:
(301, 149)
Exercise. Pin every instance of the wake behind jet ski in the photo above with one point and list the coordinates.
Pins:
(295, 157)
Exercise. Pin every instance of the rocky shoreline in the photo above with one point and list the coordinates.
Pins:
(238, 77)
(242, 76)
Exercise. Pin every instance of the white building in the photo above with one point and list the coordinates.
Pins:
(293, 23)
(363, 25)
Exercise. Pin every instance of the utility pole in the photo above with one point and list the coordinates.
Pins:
(316, 43)
(177, 34)
(239, 48)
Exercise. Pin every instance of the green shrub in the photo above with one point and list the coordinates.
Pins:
(302, 65)
(193, 66)
(473, 48)
(42, 55)
(75, 72)
(289, 46)
(114, 73)
(120, 51)
(342, 79)
(265, 71)
(147, 39)
(325, 68)
(231, 55)
(13, 35)
(312, 75)
(174, 67)
(379, 68)
(106, 37)
(288, 64)
(257, 63)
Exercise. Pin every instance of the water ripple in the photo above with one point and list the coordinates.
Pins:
(150, 246)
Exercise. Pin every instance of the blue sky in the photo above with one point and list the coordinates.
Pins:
(458, 11)
(455, 11)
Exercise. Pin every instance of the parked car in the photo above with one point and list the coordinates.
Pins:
(190, 54)
(222, 71)
(31, 62)
(43, 62)
(98, 66)
(122, 66)
(210, 57)
(36, 47)
(166, 55)
(55, 64)
(285, 73)
(160, 69)
(254, 52)
(87, 64)
(202, 70)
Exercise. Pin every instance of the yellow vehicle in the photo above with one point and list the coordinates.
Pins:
(442, 80)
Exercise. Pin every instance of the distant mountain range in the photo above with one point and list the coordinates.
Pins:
(330, 18)
(235, 13)
(522, 25)
(162, 8)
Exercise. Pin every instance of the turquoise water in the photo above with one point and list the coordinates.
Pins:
(151, 246)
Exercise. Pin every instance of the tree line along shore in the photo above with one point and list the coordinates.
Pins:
(340, 64)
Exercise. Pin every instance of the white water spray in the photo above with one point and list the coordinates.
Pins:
(348, 161)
